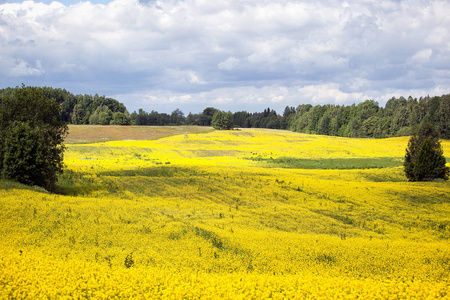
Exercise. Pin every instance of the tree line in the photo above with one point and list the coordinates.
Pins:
(399, 117)
(243, 119)
(83, 109)
(100, 110)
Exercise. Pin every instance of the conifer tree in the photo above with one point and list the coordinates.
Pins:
(424, 159)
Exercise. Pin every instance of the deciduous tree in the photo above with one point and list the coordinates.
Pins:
(31, 137)
(222, 120)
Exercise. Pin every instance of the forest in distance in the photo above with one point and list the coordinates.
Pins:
(399, 117)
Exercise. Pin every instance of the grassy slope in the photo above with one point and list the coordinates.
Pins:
(229, 206)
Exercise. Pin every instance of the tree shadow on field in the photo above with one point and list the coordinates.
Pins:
(73, 183)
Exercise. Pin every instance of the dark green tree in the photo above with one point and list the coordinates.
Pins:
(444, 117)
(151, 118)
(192, 119)
(24, 155)
(102, 116)
(222, 120)
(177, 117)
(77, 114)
(206, 116)
(324, 124)
(400, 120)
(240, 119)
(141, 118)
(120, 118)
(288, 116)
(424, 159)
(31, 137)
(316, 113)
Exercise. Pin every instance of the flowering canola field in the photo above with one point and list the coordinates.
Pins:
(248, 214)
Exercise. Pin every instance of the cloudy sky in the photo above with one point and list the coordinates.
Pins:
(229, 54)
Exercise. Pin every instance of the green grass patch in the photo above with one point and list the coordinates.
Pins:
(331, 163)
(10, 184)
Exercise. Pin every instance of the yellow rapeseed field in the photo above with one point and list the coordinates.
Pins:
(244, 214)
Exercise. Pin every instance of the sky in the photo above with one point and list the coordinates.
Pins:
(229, 54)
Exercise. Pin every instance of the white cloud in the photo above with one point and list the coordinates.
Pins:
(222, 101)
(421, 56)
(229, 64)
(180, 99)
(234, 53)
(277, 99)
(183, 77)
(248, 98)
(329, 94)
(23, 68)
